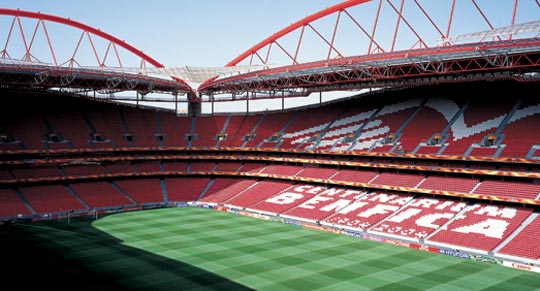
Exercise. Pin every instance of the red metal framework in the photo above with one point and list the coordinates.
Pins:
(495, 60)
(28, 37)
(82, 58)
(351, 45)
(361, 42)
(416, 23)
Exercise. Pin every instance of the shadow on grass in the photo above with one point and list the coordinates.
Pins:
(76, 256)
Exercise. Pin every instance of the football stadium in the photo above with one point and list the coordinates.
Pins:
(368, 145)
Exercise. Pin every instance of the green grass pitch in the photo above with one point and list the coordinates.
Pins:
(201, 249)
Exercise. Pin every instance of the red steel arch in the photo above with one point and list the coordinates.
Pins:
(386, 32)
(298, 24)
(383, 24)
(17, 13)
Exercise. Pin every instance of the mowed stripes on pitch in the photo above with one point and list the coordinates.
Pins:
(267, 255)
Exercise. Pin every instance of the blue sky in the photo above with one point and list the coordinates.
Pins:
(182, 32)
(213, 32)
(210, 33)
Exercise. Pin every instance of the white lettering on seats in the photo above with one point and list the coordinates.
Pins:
(354, 206)
(310, 204)
(378, 209)
(340, 192)
(316, 190)
(331, 191)
(380, 197)
(430, 219)
(494, 211)
(285, 198)
(310, 189)
(424, 203)
(490, 227)
(302, 188)
(336, 205)
(405, 214)
(347, 193)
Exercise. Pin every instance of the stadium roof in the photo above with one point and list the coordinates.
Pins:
(192, 74)
(498, 52)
